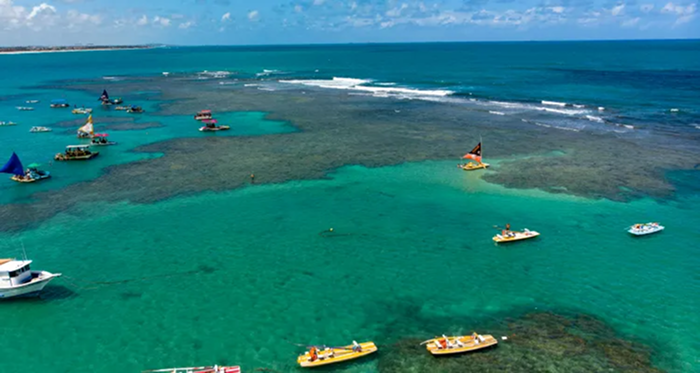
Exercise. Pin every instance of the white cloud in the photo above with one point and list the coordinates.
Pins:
(685, 13)
(353, 5)
(557, 9)
(646, 8)
(630, 22)
(254, 15)
(40, 10)
(319, 2)
(396, 12)
(617, 10)
(162, 21)
(142, 21)
(76, 18)
(226, 17)
(185, 25)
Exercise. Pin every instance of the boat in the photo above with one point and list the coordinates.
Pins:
(17, 278)
(121, 108)
(645, 229)
(82, 110)
(210, 125)
(135, 109)
(512, 236)
(460, 344)
(19, 174)
(32, 101)
(86, 131)
(322, 355)
(40, 129)
(24, 108)
(7, 124)
(76, 153)
(59, 103)
(475, 154)
(107, 101)
(205, 369)
(203, 114)
(100, 139)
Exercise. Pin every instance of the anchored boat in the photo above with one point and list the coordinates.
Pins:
(39, 129)
(460, 344)
(81, 110)
(17, 279)
(24, 108)
(205, 369)
(135, 109)
(322, 355)
(645, 229)
(32, 174)
(475, 154)
(512, 236)
(76, 153)
(107, 101)
(7, 124)
(100, 139)
(59, 103)
(210, 125)
(86, 131)
(203, 114)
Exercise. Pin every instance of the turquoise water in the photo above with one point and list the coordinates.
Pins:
(241, 276)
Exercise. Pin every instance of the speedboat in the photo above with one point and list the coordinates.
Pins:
(17, 279)
(82, 110)
(76, 153)
(40, 129)
(205, 369)
(322, 355)
(512, 236)
(211, 126)
(456, 345)
(203, 114)
(7, 124)
(100, 139)
(59, 103)
(24, 108)
(645, 229)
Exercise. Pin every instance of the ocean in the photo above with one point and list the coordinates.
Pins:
(171, 256)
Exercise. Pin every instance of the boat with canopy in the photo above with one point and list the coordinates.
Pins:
(17, 278)
(475, 154)
(460, 344)
(645, 229)
(210, 125)
(203, 114)
(76, 153)
(59, 103)
(20, 175)
(323, 355)
(100, 139)
(86, 131)
(512, 236)
(204, 369)
(107, 101)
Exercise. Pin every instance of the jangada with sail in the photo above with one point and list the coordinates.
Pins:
(476, 155)
(107, 101)
(87, 131)
(30, 175)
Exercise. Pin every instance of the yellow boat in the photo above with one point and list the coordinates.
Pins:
(475, 154)
(332, 355)
(460, 344)
(473, 166)
(513, 236)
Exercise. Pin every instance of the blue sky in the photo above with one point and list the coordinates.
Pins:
(196, 22)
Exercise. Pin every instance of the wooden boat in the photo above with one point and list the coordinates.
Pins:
(512, 236)
(645, 229)
(100, 139)
(475, 154)
(205, 369)
(31, 175)
(203, 114)
(211, 126)
(81, 110)
(76, 153)
(59, 103)
(459, 344)
(331, 355)
(88, 130)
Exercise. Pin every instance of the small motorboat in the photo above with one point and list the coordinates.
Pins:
(205, 369)
(456, 345)
(32, 174)
(24, 108)
(7, 124)
(76, 153)
(17, 278)
(645, 229)
(82, 110)
(322, 355)
(135, 109)
(210, 125)
(512, 236)
(203, 114)
(37, 129)
(59, 104)
(100, 139)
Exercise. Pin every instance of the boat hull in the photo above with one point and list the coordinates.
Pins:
(340, 354)
(106, 144)
(639, 233)
(519, 236)
(469, 345)
(220, 128)
(33, 287)
(46, 175)
(472, 167)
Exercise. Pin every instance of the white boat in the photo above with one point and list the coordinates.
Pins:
(206, 369)
(32, 101)
(6, 124)
(24, 108)
(40, 129)
(645, 229)
(17, 279)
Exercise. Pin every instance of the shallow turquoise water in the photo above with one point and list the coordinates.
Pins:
(230, 277)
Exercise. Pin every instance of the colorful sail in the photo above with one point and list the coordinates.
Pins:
(88, 127)
(105, 96)
(13, 166)
(475, 154)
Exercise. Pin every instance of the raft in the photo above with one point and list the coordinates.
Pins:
(526, 234)
(340, 354)
(460, 344)
(474, 166)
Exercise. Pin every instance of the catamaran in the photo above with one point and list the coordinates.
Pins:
(107, 101)
(476, 155)
(32, 174)
(205, 369)
(17, 279)
(87, 131)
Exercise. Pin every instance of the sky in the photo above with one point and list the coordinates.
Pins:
(238, 22)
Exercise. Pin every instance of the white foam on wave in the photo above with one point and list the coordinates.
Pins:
(215, 74)
(553, 103)
(386, 84)
(359, 85)
(563, 111)
(553, 126)
(112, 78)
(496, 112)
(267, 72)
(593, 118)
(250, 85)
(579, 106)
(696, 125)
(674, 110)
(600, 108)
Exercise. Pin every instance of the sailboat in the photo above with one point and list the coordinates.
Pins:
(86, 131)
(476, 155)
(106, 100)
(32, 174)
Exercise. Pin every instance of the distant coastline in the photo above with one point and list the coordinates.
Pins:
(87, 48)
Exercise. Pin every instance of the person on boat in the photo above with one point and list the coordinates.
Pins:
(443, 343)
(356, 347)
(475, 337)
(313, 353)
